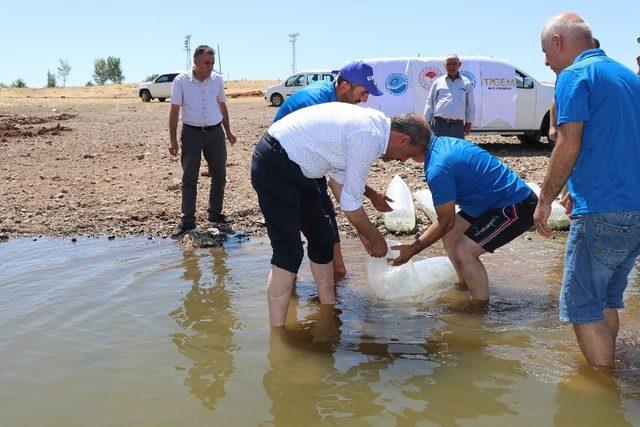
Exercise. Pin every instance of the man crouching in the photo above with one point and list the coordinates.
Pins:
(335, 139)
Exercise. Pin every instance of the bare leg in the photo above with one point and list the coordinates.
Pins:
(465, 257)
(279, 289)
(339, 269)
(323, 276)
(596, 342)
(611, 317)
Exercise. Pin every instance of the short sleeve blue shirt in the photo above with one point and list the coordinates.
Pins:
(605, 96)
(460, 171)
(319, 93)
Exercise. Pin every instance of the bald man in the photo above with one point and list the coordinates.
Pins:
(597, 153)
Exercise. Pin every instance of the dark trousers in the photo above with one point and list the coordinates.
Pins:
(290, 203)
(441, 127)
(211, 143)
(329, 209)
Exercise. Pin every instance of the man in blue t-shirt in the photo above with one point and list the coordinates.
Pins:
(496, 207)
(598, 152)
(353, 85)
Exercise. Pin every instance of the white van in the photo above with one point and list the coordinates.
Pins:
(276, 94)
(508, 100)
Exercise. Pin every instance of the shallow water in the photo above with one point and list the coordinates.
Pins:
(143, 332)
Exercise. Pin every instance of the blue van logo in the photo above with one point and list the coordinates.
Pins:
(397, 83)
(470, 76)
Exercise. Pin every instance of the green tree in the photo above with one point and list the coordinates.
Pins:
(100, 71)
(114, 70)
(89, 83)
(63, 71)
(151, 77)
(18, 83)
(51, 79)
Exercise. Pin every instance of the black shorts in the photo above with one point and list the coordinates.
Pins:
(497, 227)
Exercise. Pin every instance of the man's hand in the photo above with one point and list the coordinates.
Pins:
(406, 253)
(231, 137)
(540, 217)
(567, 202)
(378, 246)
(553, 133)
(173, 148)
(365, 242)
(379, 202)
(467, 128)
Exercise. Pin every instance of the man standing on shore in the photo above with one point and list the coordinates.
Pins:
(336, 139)
(598, 152)
(200, 95)
(450, 108)
(353, 85)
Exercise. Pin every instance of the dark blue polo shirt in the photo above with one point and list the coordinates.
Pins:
(605, 96)
(461, 171)
(318, 93)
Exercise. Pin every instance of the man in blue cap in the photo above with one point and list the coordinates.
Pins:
(353, 85)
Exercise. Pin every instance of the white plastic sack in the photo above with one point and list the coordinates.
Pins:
(558, 220)
(410, 279)
(403, 216)
(425, 200)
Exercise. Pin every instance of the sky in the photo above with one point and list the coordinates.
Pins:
(253, 37)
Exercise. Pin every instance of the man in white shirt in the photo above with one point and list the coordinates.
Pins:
(200, 95)
(450, 108)
(335, 139)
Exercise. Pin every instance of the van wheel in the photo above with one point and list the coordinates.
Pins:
(145, 95)
(276, 100)
(162, 99)
(529, 138)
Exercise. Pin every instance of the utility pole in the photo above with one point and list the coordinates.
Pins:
(219, 61)
(187, 48)
(292, 39)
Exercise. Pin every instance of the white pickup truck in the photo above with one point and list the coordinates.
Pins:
(159, 88)
(276, 94)
(508, 101)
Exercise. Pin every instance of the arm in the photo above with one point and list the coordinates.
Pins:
(173, 126)
(446, 213)
(428, 108)
(378, 200)
(225, 122)
(369, 234)
(563, 159)
(470, 111)
(553, 118)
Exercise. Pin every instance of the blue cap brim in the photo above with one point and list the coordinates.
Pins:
(373, 89)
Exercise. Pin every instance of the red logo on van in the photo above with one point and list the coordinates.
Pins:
(427, 75)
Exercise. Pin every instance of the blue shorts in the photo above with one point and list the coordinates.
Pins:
(601, 251)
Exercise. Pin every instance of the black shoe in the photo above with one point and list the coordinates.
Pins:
(182, 229)
(221, 219)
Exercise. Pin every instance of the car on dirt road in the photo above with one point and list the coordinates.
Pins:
(159, 88)
(277, 94)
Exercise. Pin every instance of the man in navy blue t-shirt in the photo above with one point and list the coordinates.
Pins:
(496, 207)
(597, 154)
(353, 85)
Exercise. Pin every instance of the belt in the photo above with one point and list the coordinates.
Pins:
(203, 128)
(273, 143)
(448, 120)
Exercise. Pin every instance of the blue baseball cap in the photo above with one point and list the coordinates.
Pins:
(359, 73)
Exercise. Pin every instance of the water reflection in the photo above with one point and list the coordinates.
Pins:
(209, 321)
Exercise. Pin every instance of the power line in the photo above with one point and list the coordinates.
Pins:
(292, 39)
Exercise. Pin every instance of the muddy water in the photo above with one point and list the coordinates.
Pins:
(142, 332)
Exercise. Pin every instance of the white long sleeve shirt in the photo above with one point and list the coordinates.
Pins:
(336, 139)
(451, 99)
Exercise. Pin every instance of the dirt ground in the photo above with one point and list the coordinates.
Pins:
(94, 161)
